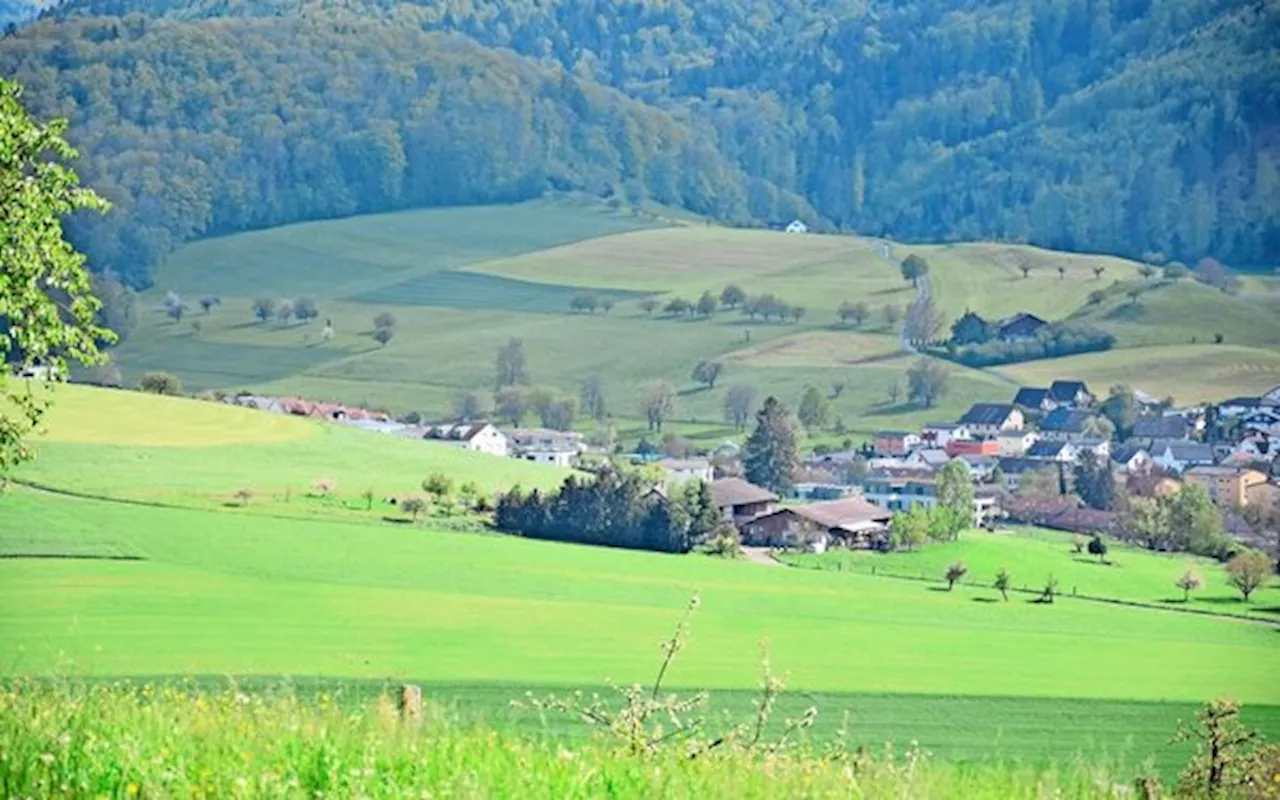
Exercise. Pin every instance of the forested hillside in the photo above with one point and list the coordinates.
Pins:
(1124, 126)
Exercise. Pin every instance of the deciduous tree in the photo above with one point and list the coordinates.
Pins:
(1248, 570)
(657, 403)
(927, 382)
(738, 402)
(813, 410)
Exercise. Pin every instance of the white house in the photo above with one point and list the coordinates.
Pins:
(545, 446)
(478, 437)
(797, 226)
(1013, 444)
(1179, 456)
(938, 434)
(682, 470)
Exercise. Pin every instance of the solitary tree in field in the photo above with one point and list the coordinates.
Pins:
(413, 506)
(1096, 297)
(161, 383)
(738, 402)
(657, 403)
(284, 312)
(606, 304)
(1050, 590)
(732, 296)
(707, 305)
(438, 485)
(813, 409)
(894, 392)
(1062, 272)
(1098, 548)
(1248, 570)
(1097, 271)
(304, 309)
(264, 308)
(649, 305)
(244, 496)
(1188, 582)
(927, 382)
(383, 335)
(592, 400)
(1134, 293)
(1003, 582)
(510, 365)
(914, 268)
(367, 494)
(209, 302)
(1176, 271)
(707, 373)
(954, 573)
(1026, 270)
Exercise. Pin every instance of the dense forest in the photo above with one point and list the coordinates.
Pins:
(1124, 126)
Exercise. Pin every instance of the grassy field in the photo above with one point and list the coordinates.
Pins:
(174, 451)
(1218, 371)
(330, 595)
(481, 618)
(1031, 555)
(461, 282)
(225, 744)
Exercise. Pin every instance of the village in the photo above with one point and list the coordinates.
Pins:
(1021, 456)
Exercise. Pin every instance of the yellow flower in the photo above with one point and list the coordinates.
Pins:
(132, 789)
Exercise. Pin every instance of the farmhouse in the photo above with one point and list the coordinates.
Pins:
(1049, 450)
(739, 501)
(1071, 394)
(1132, 458)
(478, 437)
(1065, 424)
(900, 493)
(895, 443)
(545, 446)
(1159, 426)
(972, 447)
(991, 418)
(937, 434)
(683, 470)
(1015, 443)
(1228, 486)
(1174, 455)
(1033, 399)
(851, 520)
(1019, 327)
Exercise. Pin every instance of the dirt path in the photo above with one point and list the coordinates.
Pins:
(762, 556)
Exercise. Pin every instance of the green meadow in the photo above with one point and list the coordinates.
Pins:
(461, 282)
(136, 562)
(1031, 555)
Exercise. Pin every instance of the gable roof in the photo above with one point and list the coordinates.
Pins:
(1022, 324)
(848, 512)
(1126, 453)
(1030, 398)
(1066, 420)
(729, 492)
(1158, 426)
(1021, 466)
(456, 432)
(1066, 391)
(1181, 450)
(988, 414)
(1047, 449)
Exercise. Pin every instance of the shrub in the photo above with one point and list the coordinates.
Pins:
(1098, 548)
(438, 486)
(954, 573)
(1053, 341)
(1188, 582)
(413, 506)
(1003, 582)
(161, 383)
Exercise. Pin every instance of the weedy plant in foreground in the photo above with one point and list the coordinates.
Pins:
(644, 720)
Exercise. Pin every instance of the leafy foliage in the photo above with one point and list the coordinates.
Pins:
(48, 314)
(771, 455)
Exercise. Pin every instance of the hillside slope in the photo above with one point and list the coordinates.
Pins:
(1120, 127)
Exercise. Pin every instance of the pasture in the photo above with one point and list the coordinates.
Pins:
(1031, 555)
(461, 282)
(174, 451)
(482, 618)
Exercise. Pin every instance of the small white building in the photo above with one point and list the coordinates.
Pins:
(478, 437)
(546, 446)
(938, 434)
(797, 226)
(1015, 444)
(679, 471)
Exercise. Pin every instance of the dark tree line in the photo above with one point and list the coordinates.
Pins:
(613, 509)
(1122, 126)
(1052, 341)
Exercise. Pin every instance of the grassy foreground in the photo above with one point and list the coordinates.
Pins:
(117, 741)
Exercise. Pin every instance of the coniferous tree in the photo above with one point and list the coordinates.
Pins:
(771, 455)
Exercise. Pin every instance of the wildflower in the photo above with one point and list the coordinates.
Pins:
(131, 789)
(47, 758)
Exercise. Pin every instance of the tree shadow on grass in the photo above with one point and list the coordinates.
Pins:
(984, 600)
(1095, 562)
(942, 589)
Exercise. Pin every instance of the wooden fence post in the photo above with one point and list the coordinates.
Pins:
(409, 703)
